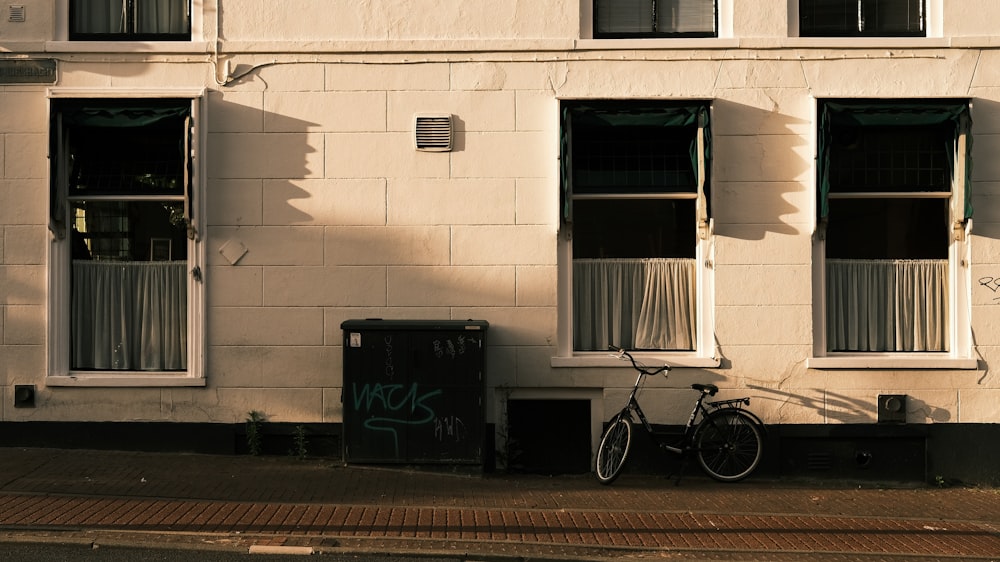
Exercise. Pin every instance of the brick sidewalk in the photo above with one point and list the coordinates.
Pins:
(245, 501)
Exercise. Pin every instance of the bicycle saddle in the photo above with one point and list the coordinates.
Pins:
(709, 389)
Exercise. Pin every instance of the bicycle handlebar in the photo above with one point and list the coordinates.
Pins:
(622, 352)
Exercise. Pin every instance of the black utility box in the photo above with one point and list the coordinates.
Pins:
(414, 391)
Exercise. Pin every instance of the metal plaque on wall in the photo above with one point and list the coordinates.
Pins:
(28, 71)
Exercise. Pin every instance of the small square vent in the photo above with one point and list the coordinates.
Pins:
(433, 132)
(15, 14)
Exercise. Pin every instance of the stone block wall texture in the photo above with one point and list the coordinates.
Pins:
(311, 166)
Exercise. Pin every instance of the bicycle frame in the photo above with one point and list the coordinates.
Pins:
(700, 407)
(689, 427)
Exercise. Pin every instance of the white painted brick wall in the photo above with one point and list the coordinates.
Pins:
(452, 286)
(451, 201)
(311, 166)
(324, 202)
(314, 287)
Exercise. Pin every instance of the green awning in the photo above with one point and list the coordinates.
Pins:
(632, 114)
(70, 114)
(900, 113)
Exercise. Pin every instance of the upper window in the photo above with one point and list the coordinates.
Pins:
(634, 177)
(655, 18)
(893, 202)
(125, 266)
(130, 20)
(862, 18)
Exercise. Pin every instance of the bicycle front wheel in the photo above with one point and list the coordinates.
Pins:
(611, 455)
(729, 445)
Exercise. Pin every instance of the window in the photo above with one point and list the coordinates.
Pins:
(130, 20)
(635, 215)
(858, 18)
(126, 261)
(893, 208)
(655, 18)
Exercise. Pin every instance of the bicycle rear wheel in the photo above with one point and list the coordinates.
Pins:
(611, 455)
(729, 445)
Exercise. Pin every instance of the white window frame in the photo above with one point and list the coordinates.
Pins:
(705, 354)
(723, 39)
(961, 345)
(58, 325)
(934, 27)
(201, 35)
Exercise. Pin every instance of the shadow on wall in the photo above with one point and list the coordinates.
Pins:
(253, 153)
(838, 408)
(758, 163)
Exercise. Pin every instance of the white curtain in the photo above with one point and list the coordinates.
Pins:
(634, 303)
(99, 16)
(129, 315)
(110, 16)
(887, 305)
(162, 16)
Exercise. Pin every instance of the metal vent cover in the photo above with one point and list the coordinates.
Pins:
(433, 132)
(16, 14)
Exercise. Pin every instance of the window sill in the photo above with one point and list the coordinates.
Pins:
(866, 42)
(598, 359)
(111, 379)
(892, 362)
(127, 47)
(656, 43)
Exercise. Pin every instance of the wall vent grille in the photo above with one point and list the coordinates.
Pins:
(16, 14)
(819, 461)
(433, 132)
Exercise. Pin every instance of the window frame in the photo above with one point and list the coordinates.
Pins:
(960, 348)
(722, 38)
(933, 29)
(59, 372)
(705, 352)
(132, 36)
(656, 34)
(201, 33)
(861, 19)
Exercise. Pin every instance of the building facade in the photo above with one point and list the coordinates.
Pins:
(792, 199)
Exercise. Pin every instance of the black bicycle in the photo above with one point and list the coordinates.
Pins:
(726, 438)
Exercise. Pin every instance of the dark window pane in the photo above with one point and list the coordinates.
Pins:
(828, 17)
(632, 159)
(888, 229)
(161, 17)
(126, 230)
(624, 16)
(851, 18)
(894, 17)
(118, 148)
(685, 16)
(891, 159)
(665, 18)
(130, 20)
(98, 16)
(634, 228)
(126, 161)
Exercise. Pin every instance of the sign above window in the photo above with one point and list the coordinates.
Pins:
(24, 71)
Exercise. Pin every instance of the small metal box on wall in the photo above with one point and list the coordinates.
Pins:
(892, 408)
(414, 391)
